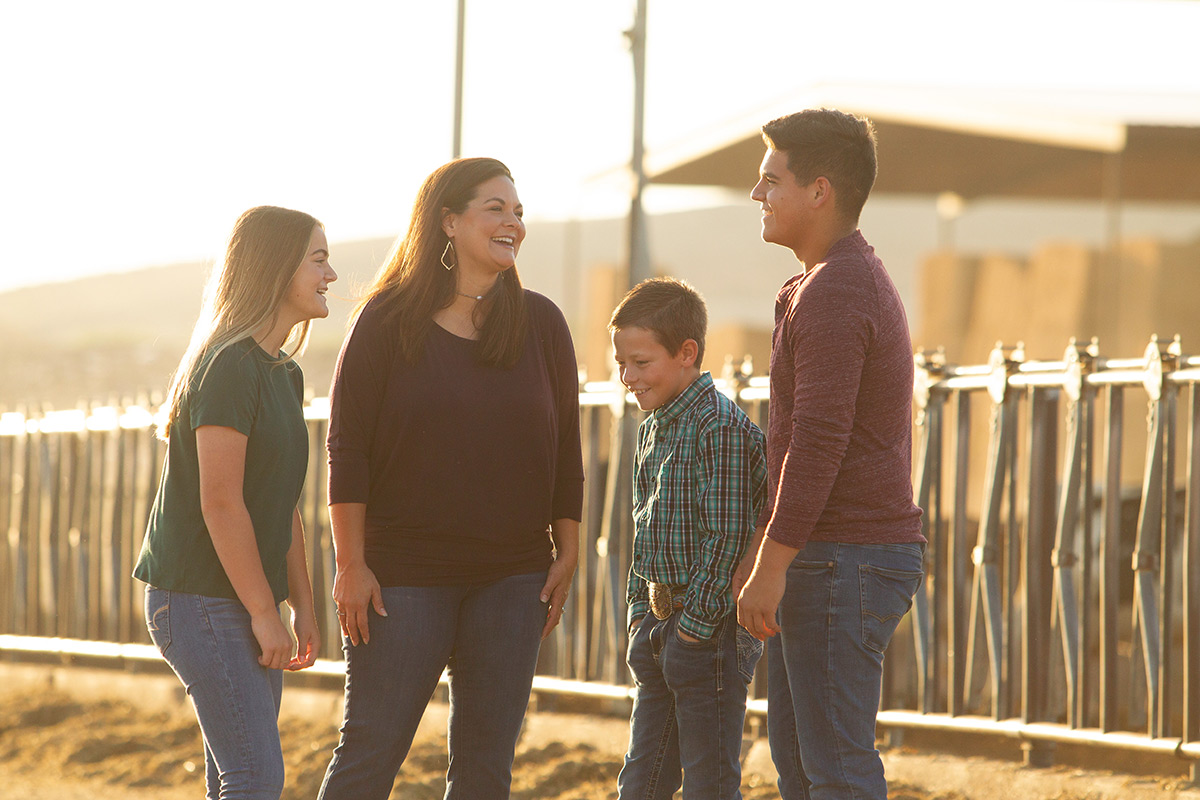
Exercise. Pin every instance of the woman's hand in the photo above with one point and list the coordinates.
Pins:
(355, 590)
(273, 639)
(300, 599)
(308, 640)
(558, 585)
(565, 533)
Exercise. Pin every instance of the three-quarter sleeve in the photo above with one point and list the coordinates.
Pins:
(355, 398)
(568, 480)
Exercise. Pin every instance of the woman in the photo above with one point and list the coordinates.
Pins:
(455, 489)
(225, 544)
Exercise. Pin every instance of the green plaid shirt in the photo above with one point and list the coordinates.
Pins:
(699, 483)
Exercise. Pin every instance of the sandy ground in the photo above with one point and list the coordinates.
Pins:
(57, 747)
(65, 738)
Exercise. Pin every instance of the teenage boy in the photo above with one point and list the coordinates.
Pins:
(699, 484)
(842, 554)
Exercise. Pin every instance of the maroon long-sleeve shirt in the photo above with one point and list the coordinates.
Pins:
(839, 434)
(462, 466)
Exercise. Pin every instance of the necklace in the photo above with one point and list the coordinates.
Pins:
(472, 296)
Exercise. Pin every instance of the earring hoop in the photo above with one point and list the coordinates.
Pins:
(449, 250)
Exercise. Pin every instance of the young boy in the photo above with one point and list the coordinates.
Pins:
(699, 483)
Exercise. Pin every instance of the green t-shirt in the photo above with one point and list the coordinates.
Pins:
(245, 390)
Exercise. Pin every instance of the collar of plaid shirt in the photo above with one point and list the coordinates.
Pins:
(664, 415)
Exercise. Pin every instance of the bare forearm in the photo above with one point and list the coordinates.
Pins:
(774, 557)
(232, 534)
(756, 541)
(349, 523)
(299, 583)
(565, 533)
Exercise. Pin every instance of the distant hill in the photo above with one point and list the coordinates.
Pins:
(120, 334)
(123, 333)
(156, 305)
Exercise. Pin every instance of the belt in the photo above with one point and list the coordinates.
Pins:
(665, 598)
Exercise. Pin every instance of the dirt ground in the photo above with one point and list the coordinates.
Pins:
(57, 747)
(103, 745)
(137, 739)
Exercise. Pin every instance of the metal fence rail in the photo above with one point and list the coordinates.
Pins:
(1061, 602)
(1065, 608)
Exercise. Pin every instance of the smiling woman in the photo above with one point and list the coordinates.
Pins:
(305, 297)
(455, 488)
(225, 544)
(483, 240)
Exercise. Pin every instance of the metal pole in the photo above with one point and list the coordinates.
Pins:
(1112, 190)
(458, 78)
(639, 255)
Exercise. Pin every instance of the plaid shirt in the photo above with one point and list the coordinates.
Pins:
(699, 483)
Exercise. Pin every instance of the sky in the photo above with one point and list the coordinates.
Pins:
(135, 133)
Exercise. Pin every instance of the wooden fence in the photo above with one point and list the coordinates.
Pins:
(1061, 602)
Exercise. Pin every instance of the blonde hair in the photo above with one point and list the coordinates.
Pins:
(243, 293)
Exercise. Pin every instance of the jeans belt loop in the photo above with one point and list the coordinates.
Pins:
(665, 598)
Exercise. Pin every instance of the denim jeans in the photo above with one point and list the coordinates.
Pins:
(210, 646)
(488, 635)
(689, 711)
(839, 611)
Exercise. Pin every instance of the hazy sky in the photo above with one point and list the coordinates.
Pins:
(135, 132)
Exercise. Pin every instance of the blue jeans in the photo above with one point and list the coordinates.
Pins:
(488, 635)
(210, 646)
(689, 711)
(839, 611)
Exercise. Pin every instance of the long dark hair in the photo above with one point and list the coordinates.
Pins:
(415, 285)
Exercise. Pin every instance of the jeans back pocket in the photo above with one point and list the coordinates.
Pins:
(158, 617)
(886, 597)
(749, 652)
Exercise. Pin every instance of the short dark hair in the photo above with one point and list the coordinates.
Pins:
(669, 308)
(829, 143)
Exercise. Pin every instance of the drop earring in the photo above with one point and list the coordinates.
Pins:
(449, 251)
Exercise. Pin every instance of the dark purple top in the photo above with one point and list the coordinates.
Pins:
(839, 435)
(462, 466)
